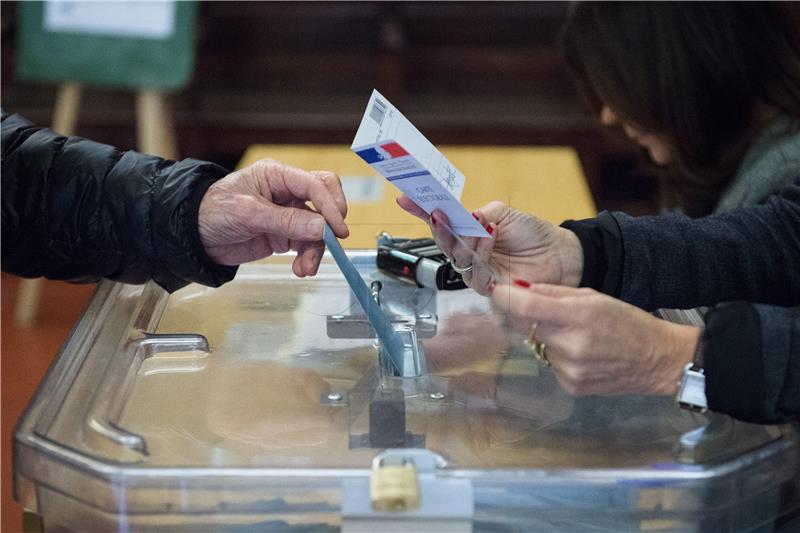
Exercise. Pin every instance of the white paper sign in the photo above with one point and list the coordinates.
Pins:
(391, 144)
(362, 189)
(146, 19)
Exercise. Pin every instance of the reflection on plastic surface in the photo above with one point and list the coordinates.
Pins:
(232, 409)
(260, 397)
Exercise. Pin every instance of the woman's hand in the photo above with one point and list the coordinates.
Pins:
(260, 210)
(597, 344)
(522, 247)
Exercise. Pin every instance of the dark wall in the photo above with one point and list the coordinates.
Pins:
(464, 72)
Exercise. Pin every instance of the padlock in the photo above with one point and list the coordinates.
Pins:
(394, 487)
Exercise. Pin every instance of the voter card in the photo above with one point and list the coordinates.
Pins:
(391, 144)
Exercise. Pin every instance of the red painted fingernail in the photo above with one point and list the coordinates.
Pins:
(490, 229)
(522, 283)
(433, 220)
(476, 216)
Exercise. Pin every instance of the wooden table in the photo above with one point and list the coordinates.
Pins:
(545, 181)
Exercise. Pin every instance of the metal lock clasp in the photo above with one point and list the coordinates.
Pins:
(408, 489)
(394, 485)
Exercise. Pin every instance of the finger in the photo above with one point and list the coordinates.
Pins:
(464, 249)
(309, 256)
(493, 212)
(294, 183)
(460, 250)
(482, 272)
(464, 254)
(325, 203)
(297, 263)
(307, 260)
(289, 222)
(409, 206)
(443, 236)
(558, 291)
(241, 252)
(278, 243)
(334, 186)
(526, 307)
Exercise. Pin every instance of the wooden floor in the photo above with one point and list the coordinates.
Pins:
(26, 354)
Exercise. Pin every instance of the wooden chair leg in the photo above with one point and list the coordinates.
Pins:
(65, 121)
(154, 125)
(27, 306)
(67, 106)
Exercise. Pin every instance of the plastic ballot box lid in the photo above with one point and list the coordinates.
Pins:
(268, 405)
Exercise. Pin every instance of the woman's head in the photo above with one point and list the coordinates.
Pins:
(687, 81)
(657, 146)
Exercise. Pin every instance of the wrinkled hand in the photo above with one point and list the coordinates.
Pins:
(522, 247)
(597, 344)
(260, 210)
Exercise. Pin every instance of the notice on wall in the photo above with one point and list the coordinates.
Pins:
(146, 20)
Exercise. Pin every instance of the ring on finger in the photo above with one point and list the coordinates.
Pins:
(538, 348)
(540, 353)
(530, 340)
(461, 270)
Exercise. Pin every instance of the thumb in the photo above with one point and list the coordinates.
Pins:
(409, 206)
(290, 222)
(494, 212)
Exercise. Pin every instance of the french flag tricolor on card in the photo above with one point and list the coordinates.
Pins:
(391, 145)
(382, 152)
(394, 149)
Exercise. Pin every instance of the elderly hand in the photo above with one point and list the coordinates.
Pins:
(260, 210)
(522, 247)
(597, 344)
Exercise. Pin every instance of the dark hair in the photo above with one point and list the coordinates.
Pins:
(693, 73)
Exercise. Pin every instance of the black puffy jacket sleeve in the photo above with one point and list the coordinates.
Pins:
(77, 210)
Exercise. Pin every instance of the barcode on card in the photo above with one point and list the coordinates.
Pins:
(378, 111)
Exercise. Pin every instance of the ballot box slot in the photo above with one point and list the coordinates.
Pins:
(411, 319)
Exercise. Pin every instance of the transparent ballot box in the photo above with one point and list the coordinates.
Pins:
(268, 405)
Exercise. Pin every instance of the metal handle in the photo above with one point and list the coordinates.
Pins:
(103, 420)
